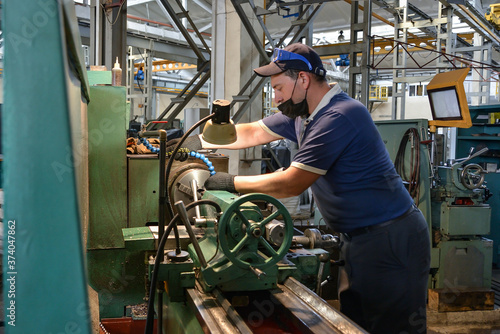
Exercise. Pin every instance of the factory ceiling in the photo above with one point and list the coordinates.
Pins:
(149, 17)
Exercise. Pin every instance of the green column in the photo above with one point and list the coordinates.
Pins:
(45, 92)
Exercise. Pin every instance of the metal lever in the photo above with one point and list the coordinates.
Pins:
(181, 210)
(257, 272)
(323, 258)
(478, 153)
(194, 188)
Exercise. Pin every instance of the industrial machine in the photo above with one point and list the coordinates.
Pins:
(218, 262)
(460, 219)
(238, 266)
(460, 215)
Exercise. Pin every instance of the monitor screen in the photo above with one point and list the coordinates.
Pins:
(445, 104)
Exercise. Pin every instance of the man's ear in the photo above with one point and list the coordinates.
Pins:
(304, 79)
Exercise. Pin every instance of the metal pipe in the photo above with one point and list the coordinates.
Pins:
(181, 210)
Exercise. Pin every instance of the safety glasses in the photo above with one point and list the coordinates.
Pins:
(282, 55)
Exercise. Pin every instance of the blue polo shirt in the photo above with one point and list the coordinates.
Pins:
(358, 185)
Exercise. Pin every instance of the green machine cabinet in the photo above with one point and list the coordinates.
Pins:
(115, 272)
(480, 135)
(45, 93)
(455, 255)
(107, 167)
(143, 188)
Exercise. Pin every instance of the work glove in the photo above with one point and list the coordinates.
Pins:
(220, 181)
(192, 143)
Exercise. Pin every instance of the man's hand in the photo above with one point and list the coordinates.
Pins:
(192, 143)
(220, 181)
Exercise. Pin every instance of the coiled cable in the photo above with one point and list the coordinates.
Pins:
(410, 174)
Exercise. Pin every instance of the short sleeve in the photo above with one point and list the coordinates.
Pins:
(280, 126)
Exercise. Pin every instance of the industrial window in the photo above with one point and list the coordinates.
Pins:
(417, 90)
(412, 90)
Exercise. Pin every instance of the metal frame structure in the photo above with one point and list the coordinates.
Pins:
(108, 32)
(480, 77)
(303, 23)
(146, 86)
(178, 103)
(360, 27)
(440, 28)
(430, 26)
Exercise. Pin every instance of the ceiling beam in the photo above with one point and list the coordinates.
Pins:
(131, 3)
(203, 5)
(165, 50)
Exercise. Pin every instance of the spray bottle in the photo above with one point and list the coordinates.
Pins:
(116, 74)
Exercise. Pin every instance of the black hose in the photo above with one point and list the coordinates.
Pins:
(159, 258)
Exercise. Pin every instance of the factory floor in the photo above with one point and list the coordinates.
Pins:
(477, 322)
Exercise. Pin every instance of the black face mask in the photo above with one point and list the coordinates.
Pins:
(294, 110)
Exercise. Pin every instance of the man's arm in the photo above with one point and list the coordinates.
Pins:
(290, 182)
(249, 135)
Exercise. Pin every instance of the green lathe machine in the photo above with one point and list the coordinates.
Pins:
(247, 269)
(227, 264)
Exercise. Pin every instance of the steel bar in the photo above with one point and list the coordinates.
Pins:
(248, 26)
(341, 323)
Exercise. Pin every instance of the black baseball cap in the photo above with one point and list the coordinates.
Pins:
(295, 56)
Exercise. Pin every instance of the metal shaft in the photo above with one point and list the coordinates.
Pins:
(194, 188)
(181, 210)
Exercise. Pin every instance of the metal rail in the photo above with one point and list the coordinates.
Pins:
(302, 307)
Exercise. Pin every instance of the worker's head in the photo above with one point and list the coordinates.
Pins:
(292, 71)
(298, 57)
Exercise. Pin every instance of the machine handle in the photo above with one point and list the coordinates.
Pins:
(181, 210)
(323, 258)
(257, 272)
(478, 153)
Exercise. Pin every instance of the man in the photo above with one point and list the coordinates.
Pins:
(341, 156)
